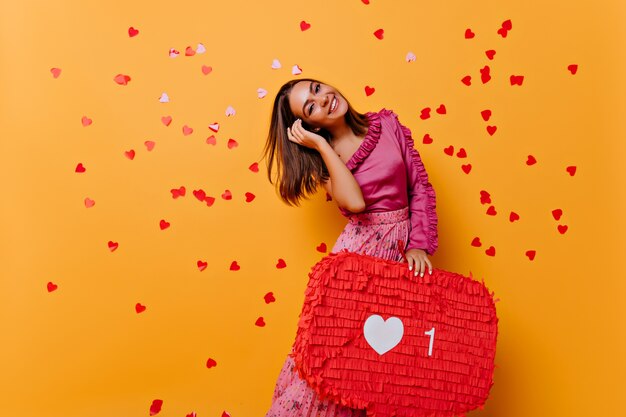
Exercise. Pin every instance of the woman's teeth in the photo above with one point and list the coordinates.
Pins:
(333, 105)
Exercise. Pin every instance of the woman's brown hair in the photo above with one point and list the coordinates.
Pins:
(299, 169)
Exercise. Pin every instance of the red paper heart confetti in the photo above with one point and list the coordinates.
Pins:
(149, 145)
(379, 33)
(492, 211)
(476, 242)
(557, 213)
(490, 53)
(441, 109)
(232, 143)
(89, 202)
(571, 170)
(178, 192)
(369, 90)
(155, 408)
(562, 228)
(51, 286)
(467, 80)
(485, 75)
(449, 150)
(189, 51)
(130, 154)
(491, 251)
(86, 121)
(531, 254)
(304, 25)
(199, 194)
(211, 140)
(485, 114)
(254, 167)
(227, 195)
(513, 216)
(201, 265)
(192, 414)
(322, 247)
(260, 322)
(210, 363)
(466, 168)
(461, 153)
(365, 1)
(491, 130)
(249, 197)
(281, 263)
(531, 160)
(163, 224)
(269, 298)
(132, 32)
(425, 113)
(234, 266)
(225, 414)
(440, 362)
(121, 79)
(209, 201)
(139, 308)
(427, 139)
(55, 72)
(206, 70)
(517, 79)
(166, 120)
(572, 68)
(112, 245)
(485, 197)
(469, 34)
(187, 130)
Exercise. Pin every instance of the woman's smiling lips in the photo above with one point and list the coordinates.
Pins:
(333, 105)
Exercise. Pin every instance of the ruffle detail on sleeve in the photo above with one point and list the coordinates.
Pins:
(431, 213)
(369, 141)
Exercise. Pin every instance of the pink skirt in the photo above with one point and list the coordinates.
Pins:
(375, 234)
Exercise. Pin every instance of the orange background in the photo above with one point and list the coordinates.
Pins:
(82, 350)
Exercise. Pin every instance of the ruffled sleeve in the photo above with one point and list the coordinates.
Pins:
(422, 201)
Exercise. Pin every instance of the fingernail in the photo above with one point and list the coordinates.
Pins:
(410, 267)
(431, 272)
(415, 274)
(422, 275)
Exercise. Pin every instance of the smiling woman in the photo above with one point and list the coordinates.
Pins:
(368, 164)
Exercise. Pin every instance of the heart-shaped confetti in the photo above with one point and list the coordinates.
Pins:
(112, 245)
(155, 408)
(485, 197)
(531, 160)
(164, 98)
(210, 363)
(322, 247)
(206, 70)
(410, 57)
(121, 79)
(187, 130)
(269, 298)
(427, 139)
(200, 49)
(490, 53)
(485, 75)
(261, 92)
(230, 111)
(89, 202)
(51, 286)
(449, 150)
(476, 242)
(467, 80)
(562, 228)
(379, 33)
(209, 201)
(491, 130)
(573, 68)
(132, 32)
(79, 168)
(86, 121)
(139, 308)
(130, 154)
(469, 34)
(276, 64)
(215, 127)
(227, 195)
(304, 25)
(571, 170)
(173, 53)
(461, 153)
(189, 51)
(211, 140)
(369, 90)
(491, 251)
(485, 114)
(492, 211)
(55, 72)
(296, 70)
(232, 143)
(557, 213)
(199, 194)
(466, 168)
(441, 109)
(260, 322)
(164, 224)
(249, 197)
(201, 265)
(234, 266)
(166, 120)
(517, 79)
(281, 263)
(178, 192)
(425, 113)
(254, 167)
(513, 216)
(149, 145)
(531, 254)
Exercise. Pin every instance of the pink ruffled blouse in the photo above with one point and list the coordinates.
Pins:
(391, 175)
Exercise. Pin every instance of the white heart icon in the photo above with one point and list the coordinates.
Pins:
(383, 335)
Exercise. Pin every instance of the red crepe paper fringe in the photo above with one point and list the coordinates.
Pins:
(332, 355)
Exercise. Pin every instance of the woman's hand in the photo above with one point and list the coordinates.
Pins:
(418, 260)
(301, 136)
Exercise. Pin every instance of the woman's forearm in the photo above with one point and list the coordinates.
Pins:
(345, 189)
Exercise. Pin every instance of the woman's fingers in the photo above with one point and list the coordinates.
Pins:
(430, 266)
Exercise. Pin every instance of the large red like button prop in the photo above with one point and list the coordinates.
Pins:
(371, 335)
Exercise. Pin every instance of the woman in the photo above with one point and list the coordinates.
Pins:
(368, 165)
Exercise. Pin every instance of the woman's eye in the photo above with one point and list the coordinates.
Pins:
(317, 88)
(311, 109)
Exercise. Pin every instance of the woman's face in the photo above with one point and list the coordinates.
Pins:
(318, 105)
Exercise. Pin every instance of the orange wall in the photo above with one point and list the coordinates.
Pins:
(83, 350)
